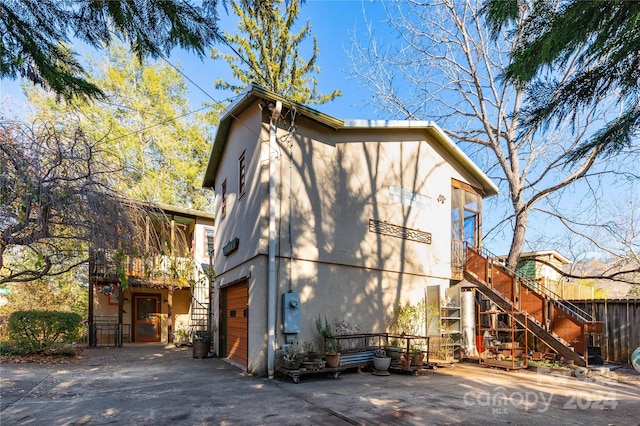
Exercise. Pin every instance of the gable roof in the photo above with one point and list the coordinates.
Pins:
(256, 92)
(545, 253)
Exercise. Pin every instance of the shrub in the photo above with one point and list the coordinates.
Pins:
(39, 331)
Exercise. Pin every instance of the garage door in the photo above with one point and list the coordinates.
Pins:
(236, 302)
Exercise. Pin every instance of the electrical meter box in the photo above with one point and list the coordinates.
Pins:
(291, 313)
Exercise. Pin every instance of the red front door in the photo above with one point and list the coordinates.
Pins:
(147, 318)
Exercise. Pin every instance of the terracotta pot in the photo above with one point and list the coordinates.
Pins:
(417, 358)
(332, 359)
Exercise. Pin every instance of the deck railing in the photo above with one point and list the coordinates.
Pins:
(148, 266)
(535, 285)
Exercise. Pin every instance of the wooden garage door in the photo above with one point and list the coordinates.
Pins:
(236, 316)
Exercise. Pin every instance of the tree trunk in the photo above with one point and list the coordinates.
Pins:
(170, 314)
(519, 233)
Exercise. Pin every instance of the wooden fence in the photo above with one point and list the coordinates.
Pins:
(621, 319)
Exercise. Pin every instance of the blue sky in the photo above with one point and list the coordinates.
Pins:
(332, 21)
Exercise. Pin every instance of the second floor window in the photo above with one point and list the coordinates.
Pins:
(223, 199)
(241, 175)
(466, 209)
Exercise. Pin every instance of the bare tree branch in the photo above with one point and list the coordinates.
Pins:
(445, 66)
(55, 202)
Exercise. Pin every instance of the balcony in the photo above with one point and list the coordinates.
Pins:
(146, 270)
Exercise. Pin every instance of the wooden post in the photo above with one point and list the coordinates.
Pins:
(170, 314)
(90, 331)
(120, 309)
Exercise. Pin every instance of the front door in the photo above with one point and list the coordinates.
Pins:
(147, 316)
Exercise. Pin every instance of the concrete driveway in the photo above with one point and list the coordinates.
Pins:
(153, 384)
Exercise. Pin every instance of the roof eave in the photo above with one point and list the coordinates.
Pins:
(488, 187)
(254, 93)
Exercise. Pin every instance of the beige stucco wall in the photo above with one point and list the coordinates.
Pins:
(331, 183)
(201, 225)
(243, 212)
(181, 306)
(338, 189)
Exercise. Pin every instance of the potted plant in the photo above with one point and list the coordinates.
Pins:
(291, 358)
(409, 318)
(381, 362)
(394, 351)
(417, 356)
(181, 337)
(311, 359)
(331, 347)
(310, 351)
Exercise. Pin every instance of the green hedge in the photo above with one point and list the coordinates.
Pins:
(39, 331)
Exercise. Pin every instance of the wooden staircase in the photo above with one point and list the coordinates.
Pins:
(558, 323)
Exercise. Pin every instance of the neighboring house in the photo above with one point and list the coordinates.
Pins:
(547, 266)
(167, 285)
(344, 218)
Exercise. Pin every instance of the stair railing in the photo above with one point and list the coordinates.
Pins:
(534, 285)
(200, 312)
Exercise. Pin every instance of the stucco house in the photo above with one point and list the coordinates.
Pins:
(167, 284)
(334, 218)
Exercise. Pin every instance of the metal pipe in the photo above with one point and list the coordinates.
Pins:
(291, 210)
(271, 292)
(468, 309)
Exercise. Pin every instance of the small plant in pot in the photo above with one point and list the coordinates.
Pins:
(310, 351)
(381, 362)
(417, 356)
(291, 358)
(331, 347)
(181, 337)
(311, 359)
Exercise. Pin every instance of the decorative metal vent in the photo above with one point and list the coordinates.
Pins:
(385, 228)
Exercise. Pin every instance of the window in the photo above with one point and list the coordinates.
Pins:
(223, 197)
(466, 206)
(208, 233)
(241, 175)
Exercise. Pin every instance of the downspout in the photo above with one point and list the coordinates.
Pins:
(293, 118)
(271, 292)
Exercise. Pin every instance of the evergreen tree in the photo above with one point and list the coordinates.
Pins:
(266, 51)
(36, 35)
(600, 39)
